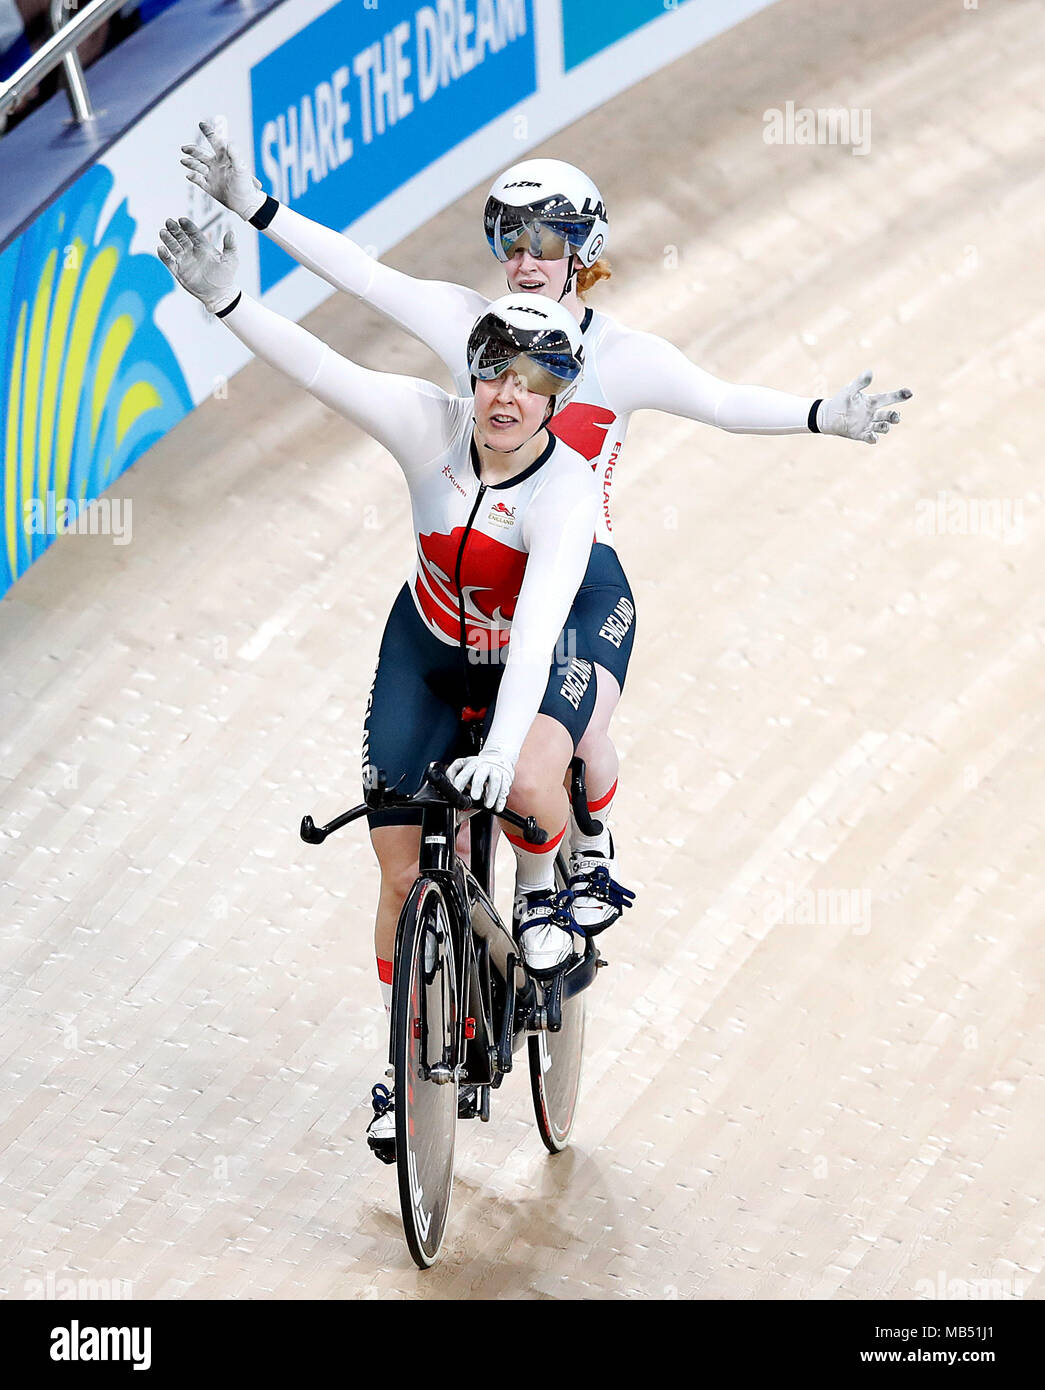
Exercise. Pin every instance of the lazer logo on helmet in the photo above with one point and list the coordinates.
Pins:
(523, 183)
(528, 309)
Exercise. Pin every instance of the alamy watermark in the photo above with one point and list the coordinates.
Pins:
(819, 907)
(804, 125)
(51, 515)
(81, 1342)
(60, 1286)
(944, 1288)
(951, 514)
(490, 646)
(490, 641)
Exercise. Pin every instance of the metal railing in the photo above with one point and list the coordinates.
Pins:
(57, 52)
(60, 51)
(79, 97)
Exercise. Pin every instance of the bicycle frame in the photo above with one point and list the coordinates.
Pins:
(483, 1044)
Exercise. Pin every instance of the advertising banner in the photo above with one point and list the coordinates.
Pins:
(361, 99)
(589, 26)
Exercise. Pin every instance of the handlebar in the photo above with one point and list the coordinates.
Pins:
(442, 790)
(436, 777)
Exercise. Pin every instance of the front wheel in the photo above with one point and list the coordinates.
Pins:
(424, 1026)
(555, 1064)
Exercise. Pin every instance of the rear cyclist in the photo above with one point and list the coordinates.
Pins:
(546, 222)
(503, 516)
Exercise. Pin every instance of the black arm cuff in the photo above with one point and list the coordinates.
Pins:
(812, 415)
(229, 307)
(264, 214)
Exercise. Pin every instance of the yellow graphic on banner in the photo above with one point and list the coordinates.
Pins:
(11, 516)
(63, 303)
(87, 379)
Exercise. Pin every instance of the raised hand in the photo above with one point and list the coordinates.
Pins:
(854, 415)
(219, 169)
(199, 267)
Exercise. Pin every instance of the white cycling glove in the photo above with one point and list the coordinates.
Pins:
(853, 415)
(222, 172)
(199, 267)
(486, 778)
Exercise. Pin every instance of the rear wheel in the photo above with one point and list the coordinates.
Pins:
(425, 1085)
(555, 1063)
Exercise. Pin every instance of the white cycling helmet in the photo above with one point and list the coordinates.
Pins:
(555, 207)
(535, 337)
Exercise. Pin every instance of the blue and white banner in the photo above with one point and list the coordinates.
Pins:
(365, 97)
(589, 26)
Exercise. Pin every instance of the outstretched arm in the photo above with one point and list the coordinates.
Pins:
(436, 312)
(411, 418)
(643, 372)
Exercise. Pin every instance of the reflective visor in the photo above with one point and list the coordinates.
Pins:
(546, 365)
(547, 236)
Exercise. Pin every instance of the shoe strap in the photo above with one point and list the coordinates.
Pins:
(381, 1098)
(596, 883)
(559, 913)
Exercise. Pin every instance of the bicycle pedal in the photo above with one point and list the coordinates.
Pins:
(469, 1102)
(384, 1149)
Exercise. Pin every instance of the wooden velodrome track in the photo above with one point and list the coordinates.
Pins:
(826, 695)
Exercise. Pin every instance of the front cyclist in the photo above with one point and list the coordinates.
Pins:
(546, 222)
(503, 516)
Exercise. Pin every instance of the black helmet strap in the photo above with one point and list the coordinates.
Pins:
(571, 274)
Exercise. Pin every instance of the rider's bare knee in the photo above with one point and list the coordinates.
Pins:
(532, 782)
(401, 878)
(593, 741)
(398, 872)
